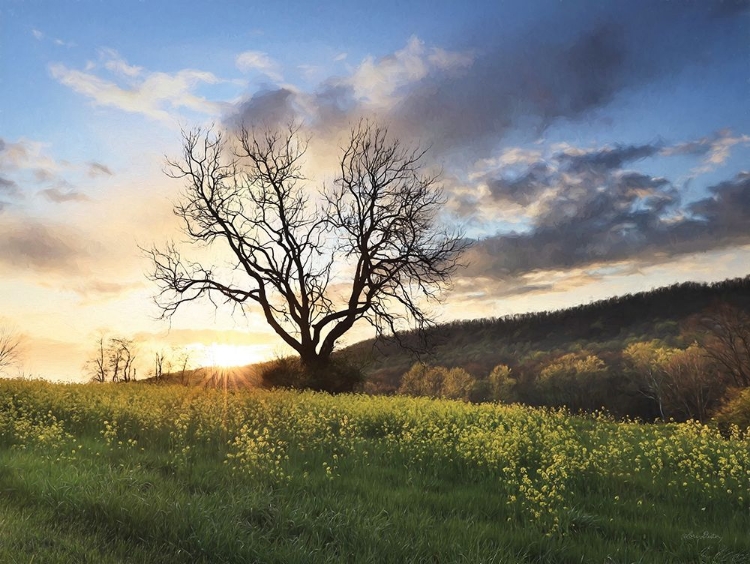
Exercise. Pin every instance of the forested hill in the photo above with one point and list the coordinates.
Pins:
(478, 345)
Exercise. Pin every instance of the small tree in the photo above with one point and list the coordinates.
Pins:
(182, 361)
(10, 344)
(647, 360)
(378, 219)
(726, 340)
(457, 384)
(423, 380)
(98, 365)
(502, 384)
(694, 386)
(113, 359)
(162, 365)
(571, 380)
(121, 359)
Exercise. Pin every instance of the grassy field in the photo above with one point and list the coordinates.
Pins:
(139, 473)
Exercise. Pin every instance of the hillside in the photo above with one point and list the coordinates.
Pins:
(602, 326)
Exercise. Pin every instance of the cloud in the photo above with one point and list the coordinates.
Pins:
(98, 169)
(8, 192)
(28, 245)
(379, 84)
(569, 66)
(103, 288)
(266, 108)
(8, 187)
(58, 196)
(591, 211)
(714, 149)
(27, 162)
(115, 64)
(38, 35)
(725, 215)
(258, 61)
(154, 94)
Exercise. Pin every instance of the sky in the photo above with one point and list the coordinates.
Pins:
(588, 149)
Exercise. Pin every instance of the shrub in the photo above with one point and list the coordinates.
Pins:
(339, 375)
(502, 384)
(437, 382)
(736, 411)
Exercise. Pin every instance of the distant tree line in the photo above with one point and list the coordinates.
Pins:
(688, 375)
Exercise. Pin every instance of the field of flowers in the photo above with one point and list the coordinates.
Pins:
(143, 473)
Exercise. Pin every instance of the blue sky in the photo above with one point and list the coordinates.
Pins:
(589, 148)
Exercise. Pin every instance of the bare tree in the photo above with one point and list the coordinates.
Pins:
(98, 365)
(121, 359)
(726, 340)
(162, 365)
(113, 359)
(378, 219)
(182, 362)
(10, 344)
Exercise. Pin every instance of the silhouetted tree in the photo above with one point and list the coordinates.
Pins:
(113, 359)
(378, 219)
(10, 344)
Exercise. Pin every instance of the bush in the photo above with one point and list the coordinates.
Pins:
(502, 384)
(437, 382)
(340, 375)
(736, 411)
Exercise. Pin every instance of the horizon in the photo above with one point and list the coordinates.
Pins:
(589, 151)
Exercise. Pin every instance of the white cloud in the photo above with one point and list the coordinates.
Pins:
(258, 61)
(715, 149)
(155, 94)
(38, 35)
(379, 82)
(115, 64)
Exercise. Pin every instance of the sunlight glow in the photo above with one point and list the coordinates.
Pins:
(226, 356)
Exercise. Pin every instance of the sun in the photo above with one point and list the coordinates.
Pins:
(226, 356)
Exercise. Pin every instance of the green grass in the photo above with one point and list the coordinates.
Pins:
(136, 473)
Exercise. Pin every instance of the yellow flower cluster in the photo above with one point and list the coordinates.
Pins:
(540, 460)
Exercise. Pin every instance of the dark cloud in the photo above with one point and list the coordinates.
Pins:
(8, 190)
(603, 160)
(633, 217)
(726, 214)
(523, 189)
(34, 246)
(58, 196)
(578, 60)
(267, 108)
(98, 169)
(8, 186)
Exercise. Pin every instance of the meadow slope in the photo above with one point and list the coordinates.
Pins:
(144, 473)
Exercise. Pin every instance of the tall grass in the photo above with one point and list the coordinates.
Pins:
(136, 473)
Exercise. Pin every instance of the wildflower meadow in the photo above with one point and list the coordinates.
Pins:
(147, 473)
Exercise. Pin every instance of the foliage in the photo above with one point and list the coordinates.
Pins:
(174, 474)
(437, 382)
(527, 342)
(571, 380)
(736, 412)
(503, 384)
